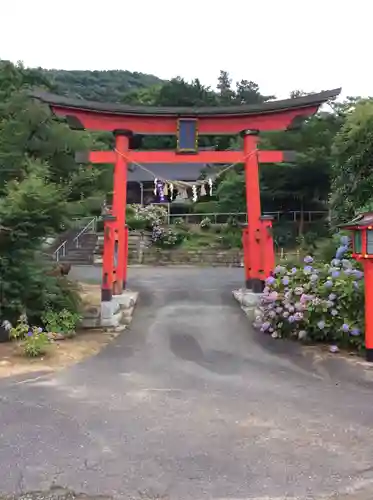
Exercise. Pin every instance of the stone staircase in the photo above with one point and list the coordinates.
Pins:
(78, 249)
(81, 253)
(137, 242)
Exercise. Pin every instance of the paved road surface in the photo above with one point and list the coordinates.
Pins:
(189, 404)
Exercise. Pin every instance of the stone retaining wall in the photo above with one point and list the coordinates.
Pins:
(162, 257)
(140, 253)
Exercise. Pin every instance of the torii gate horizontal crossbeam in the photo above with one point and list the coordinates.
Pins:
(223, 157)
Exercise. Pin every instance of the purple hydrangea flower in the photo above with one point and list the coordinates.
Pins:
(345, 327)
(316, 301)
(273, 296)
(307, 269)
(293, 270)
(334, 312)
(346, 264)
(29, 334)
(332, 296)
(335, 274)
(291, 319)
(328, 284)
(335, 262)
(40, 330)
(298, 316)
(279, 270)
(270, 280)
(358, 274)
(321, 325)
(314, 277)
(265, 326)
(308, 259)
(285, 280)
(355, 332)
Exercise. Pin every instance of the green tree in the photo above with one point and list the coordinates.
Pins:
(225, 93)
(30, 211)
(352, 170)
(39, 182)
(247, 92)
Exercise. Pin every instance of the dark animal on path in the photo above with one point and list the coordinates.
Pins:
(61, 269)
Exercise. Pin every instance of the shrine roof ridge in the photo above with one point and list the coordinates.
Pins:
(236, 110)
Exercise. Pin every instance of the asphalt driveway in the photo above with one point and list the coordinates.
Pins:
(190, 404)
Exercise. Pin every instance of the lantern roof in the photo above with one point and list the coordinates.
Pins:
(362, 221)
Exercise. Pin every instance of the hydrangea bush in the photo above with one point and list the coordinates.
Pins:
(316, 301)
(205, 223)
(166, 237)
(150, 215)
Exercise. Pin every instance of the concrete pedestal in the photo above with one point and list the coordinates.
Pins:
(116, 311)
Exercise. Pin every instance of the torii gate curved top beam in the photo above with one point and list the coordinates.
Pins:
(271, 115)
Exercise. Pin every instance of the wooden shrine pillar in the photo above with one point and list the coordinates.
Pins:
(115, 235)
(254, 246)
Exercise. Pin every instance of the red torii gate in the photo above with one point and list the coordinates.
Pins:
(187, 124)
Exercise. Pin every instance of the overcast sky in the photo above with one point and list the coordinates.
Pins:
(282, 45)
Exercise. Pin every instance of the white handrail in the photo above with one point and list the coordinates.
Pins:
(62, 249)
(91, 225)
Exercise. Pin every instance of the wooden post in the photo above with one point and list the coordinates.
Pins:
(119, 207)
(254, 279)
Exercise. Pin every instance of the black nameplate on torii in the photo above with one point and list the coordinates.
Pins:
(187, 135)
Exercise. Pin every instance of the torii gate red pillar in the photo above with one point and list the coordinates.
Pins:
(187, 124)
(252, 248)
(114, 265)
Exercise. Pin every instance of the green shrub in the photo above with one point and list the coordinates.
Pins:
(33, 339)
(232, 221)
(205, 224)
(206, 207)
(35, 343)
(135, 223)
(166, 238)
(64, 321)
(180, 223)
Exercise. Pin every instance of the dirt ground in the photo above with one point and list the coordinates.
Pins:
(60, 353)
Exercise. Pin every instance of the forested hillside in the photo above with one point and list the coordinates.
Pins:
(108, 86)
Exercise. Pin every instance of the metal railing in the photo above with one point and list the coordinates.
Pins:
(219, 218)
(61, 251)
(91, 226)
